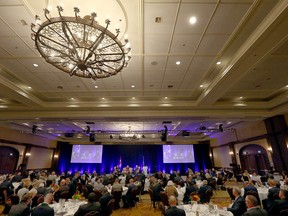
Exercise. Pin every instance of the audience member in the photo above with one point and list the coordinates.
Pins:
(279, 204)
(272, 194)
(173, 210)
(22, 208)
(104, 200)
(44, 209)
(170, 189)
(252, 207)
(92, 205)
(238, 207)
(203, 189)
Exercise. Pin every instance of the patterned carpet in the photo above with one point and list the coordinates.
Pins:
(220, 198)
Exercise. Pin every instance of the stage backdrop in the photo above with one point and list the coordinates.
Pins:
(132, 155)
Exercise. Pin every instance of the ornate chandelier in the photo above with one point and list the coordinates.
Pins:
(80, 46)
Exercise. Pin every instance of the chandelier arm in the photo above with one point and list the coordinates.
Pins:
(64, 24)
(59, 51)
(73, 71)
(94, 46)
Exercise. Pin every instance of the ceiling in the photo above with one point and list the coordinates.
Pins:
(248, 37)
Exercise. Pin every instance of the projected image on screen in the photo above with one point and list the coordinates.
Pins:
(178, 154)
(86, 154)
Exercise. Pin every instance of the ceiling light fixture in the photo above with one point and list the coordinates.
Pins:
(192, 20)
(178, 62)
(80, 46)
(35, 65)
(219, 62)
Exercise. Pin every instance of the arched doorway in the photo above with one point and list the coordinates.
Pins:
(254, 159)
(8, 159)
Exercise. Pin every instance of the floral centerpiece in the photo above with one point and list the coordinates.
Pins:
(195, 198)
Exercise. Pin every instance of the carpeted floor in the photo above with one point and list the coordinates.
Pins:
(220, 198)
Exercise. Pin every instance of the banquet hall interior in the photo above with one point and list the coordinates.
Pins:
(165, 85)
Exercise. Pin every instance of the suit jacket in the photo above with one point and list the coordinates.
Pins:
(255, 212)
(20, 209)
(272, 191)
(249, 188)
(278, 206)
(174, 211)
(104, 200)
(239, 207)
(43, 210)
(84, 209)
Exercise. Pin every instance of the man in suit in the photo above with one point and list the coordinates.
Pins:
(238, 207)
(22, 208)
(44, 209)
(279, 204)
(104, 200)
(92, 205)
(191, 187)
(203, 189)
(253, 208)
(272, 194)
(173, 210)
(248, 186)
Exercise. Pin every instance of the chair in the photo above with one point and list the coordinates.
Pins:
(110, 206)
(14, 199)
(164, 204)
(117, 195)
(3, 195)
(98, 194)
(207, 196)
(230, 192)
(134, 193)
(152, 199)
(65, 195)
(284, 212)
(245, 178)
(255, 194)
(213, 184)
(92, 213)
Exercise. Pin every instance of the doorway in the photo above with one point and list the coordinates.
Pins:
(254, 159)
(8, 159)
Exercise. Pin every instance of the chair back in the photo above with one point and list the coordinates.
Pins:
(65, 195)
(98, 194)
(110, 206)
(230, 192)
(284, 212)
(14, 199)
(212, 184)
(151, 194)
(92, 213)
(164, 198)
(134, 193)
(117, 195)
(208, 195)
(40, 199)
(255, 194)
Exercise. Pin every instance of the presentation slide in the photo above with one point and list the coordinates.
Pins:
(87, 154)
(178, 154)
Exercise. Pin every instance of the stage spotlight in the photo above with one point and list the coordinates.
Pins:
(164, 134)
(88, 129)
(185, 133)
(202, 128)
(221, 128)
(34, 129)
(92, 137)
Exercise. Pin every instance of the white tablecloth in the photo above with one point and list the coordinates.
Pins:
(181, 192)
(68, 209)
(124, 189)
(263, 193)
(204, 210)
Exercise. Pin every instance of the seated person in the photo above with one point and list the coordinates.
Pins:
(253, 208)
(190, 188)
(116, 186)
(203, 189)
(248, 186)
(22, 208)
(170, 189)
(127, 198)
(44, 208)
(104, 200)
(173, 210)
(246, 176)
(92, 205)
(272, 194)
(279, 204)
(239, 207)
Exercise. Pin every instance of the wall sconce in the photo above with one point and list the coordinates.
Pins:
(210, 155)
(269, 149)
(28, 154)
(55, 156)
(231, 153)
